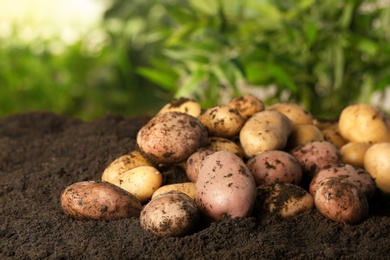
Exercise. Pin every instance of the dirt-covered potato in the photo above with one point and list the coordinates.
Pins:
(363, 123)
(313, 156)
(222, 121)
(274, 166)
(187, 188)
(247, 105)
(353, 153)
(264, 131)
(225, 186)
(297, 114)
(333, 135)
(184, 105)
(194, 162)
(124, 163)
(141, 181)
(171, 137)
(283, 199)
(377, 163)
(170, 214)
(99, 200)
(215, 143)
(341, 201)
(301, 134)
(356, 176)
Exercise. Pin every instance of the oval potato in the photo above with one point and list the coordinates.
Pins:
(297, 114)
(187, 188)
(247, 105)
(353, 153)
(184, 105)
(377, 163)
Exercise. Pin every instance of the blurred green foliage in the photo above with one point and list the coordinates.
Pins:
(323, 55)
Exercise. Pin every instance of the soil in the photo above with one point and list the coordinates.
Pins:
(42, 153)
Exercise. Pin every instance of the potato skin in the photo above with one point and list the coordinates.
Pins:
(225, 187)
(170, 214)
(215, 143)
(297, 114)
(353, 153)
(275, 166)
(187, 188)
(341, 201)
(171, 137)
(194, 162)
(184, 105)
(377, 163)
(99, 200)
(247, 105)
(302, 134)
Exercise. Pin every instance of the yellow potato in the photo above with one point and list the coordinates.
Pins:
(377, 163)
(188, 188)
(219, 144)
(301, 134)
(124, 163)
(184, 105)
(142, 181)
(332, 134)
(246, 105)
(353, 153)
(297, 114)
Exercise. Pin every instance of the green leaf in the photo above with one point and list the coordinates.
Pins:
(282, 76)
(159, 77)
(191, 83)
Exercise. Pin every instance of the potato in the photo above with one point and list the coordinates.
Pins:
(225, 187)
(377, 163)
(356, 176)
(187, 188)
(353, 153)
(215, 143)
(274, 166)
(99, 200)
(264, 131)
(302, 134)
(247, 105)
(313, 156)
(297, 114)
(284, 199)
(333, 135)
(363, 123)
(222, 121)
(171, 137)
(184, 105)
(141, 181)
(341, 201)
(194, 162)
(170, 214)
(124, 163)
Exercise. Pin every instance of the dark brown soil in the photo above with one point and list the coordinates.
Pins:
(42, 153)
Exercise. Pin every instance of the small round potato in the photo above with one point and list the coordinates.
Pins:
(302, 134)
(99, 200)
(171, 137)
(124, 163)
(247, 105)
(377, 163)
(184, 105)
(170, 214)
(341, 201)
(194, 162)
(187, 188)
(297, 114)
(141, 181)
(353, 153)
(275, 166)
(222, 121)
(215, 143)
(283, 199)
(225, 186)
(333, 135)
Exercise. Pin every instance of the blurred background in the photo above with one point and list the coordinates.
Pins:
(88, 58)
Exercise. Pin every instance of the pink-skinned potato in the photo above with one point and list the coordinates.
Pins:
(99, 200)
(225, 187)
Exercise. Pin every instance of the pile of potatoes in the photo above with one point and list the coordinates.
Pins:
(241, 159)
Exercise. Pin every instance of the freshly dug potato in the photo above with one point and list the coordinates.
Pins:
(187, 188)
(313, 156)
(141, 181)
(302, 134)
(215, 143)
(184, 105)
(171, 137)
(356, 176)
(247, 105)
(275, 166)
(124, 163)
(99, 200)
(222, 121)
(264, 131)
(363, 123)
(170, 214)
(297, 114)
(283, 199)
(353, 153)
(377, 163)
(341, 201)
(194, 162)
(333, 135)
(225, 186)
